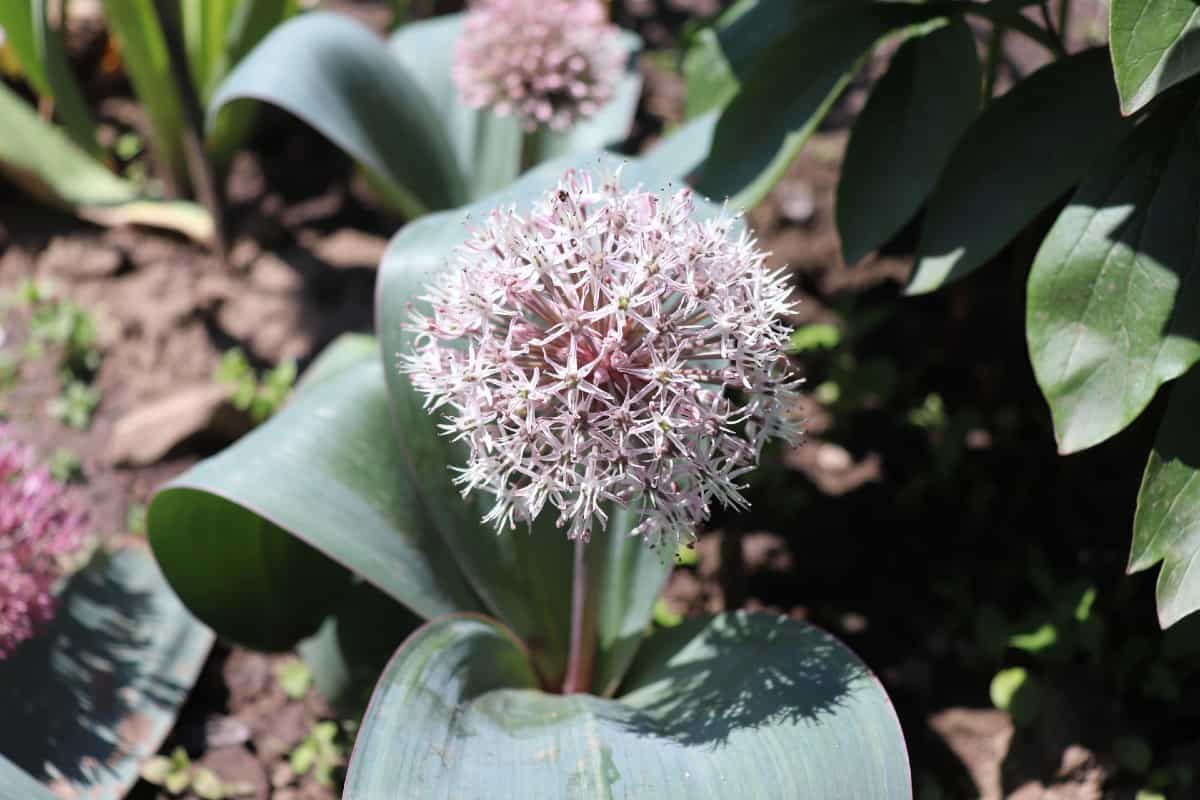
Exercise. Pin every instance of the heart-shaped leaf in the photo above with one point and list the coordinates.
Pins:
(1153, 45)
(1166, 527)
(1114, 306)
(1001, 176)
(457, 713)
(95, 694)
(904, 135)
(338, 77)
(762, 129)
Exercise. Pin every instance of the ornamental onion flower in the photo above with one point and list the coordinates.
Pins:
(549, 62)
(607, 348)
(38, 530)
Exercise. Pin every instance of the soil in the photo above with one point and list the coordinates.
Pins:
(873, 524)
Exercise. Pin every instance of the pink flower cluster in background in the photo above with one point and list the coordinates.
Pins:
(38, 530)
(549, 62)
(607, 347)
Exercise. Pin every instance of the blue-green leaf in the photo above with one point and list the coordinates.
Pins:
(736, 705)
(336, 76)
(96, 693)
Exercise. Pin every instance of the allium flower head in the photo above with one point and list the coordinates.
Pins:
(549, 62)
(607, 347)
(37, 531)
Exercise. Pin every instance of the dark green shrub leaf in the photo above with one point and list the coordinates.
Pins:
(1153, 45)
(905, 134)
(1026, 150)
(763, 128)
(1166, 526)
(1113, 309)
(458, 712)
(96, 693)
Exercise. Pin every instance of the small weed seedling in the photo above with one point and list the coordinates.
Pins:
(177, 775)
(260, 398)
(320, 752)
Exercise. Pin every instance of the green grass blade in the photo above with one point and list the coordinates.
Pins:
(37, 43)
(136, 26)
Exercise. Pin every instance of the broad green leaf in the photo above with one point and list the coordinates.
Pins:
(217, 35)
(523, 578)
(904, 136)
(252, 538)
(95, 694)
(763, 128)
(336, 76)
(1154, 47)
(44, 162)
(1023, 152)
(38, 45)
(147, 62)
(745, 705)
(681, 152)
(345, 351)
(354, 644)
(1166, 526)
(1113, 307)
(489, 148)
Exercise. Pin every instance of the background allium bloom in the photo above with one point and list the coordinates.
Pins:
(37, 531)
(550, 62)
(607, 347)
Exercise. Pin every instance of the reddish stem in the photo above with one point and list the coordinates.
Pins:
(581, 654)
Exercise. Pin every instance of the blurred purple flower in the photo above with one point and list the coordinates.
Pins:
(608, 348)
(38, 530)
(549, 62)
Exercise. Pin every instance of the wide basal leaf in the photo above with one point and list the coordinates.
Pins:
(40, 159)
(1154, 47)
(95, 694)
(339, 78)
(1114, 306)
(767, 122)
(1166, 526)
(489, 147)
(736, 705)
(904, 135)
(1026, 150)
(255, 539)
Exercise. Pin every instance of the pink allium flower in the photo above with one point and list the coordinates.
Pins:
(550, 62)
(37, 531)
(607, 347)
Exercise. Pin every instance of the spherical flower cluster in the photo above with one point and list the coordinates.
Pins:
(38, 530)
(549, 62)
(607, 348)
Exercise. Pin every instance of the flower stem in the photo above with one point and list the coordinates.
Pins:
(581, 654)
